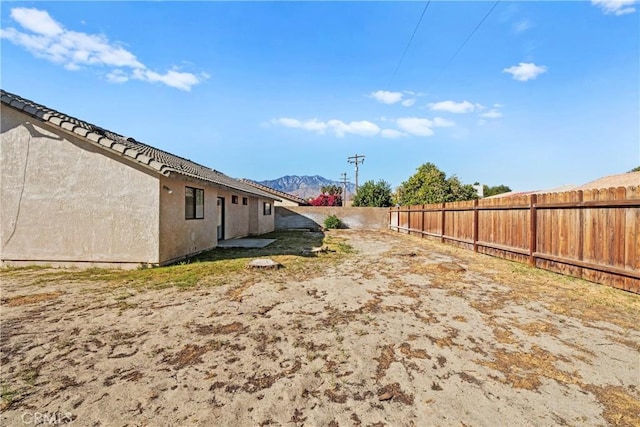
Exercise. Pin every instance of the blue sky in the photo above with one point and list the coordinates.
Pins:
(543, 94)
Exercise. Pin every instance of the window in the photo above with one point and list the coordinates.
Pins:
(245, 201)
(193, 203)
(266, 208)
(234, 200)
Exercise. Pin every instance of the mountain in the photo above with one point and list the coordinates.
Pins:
(304, 186)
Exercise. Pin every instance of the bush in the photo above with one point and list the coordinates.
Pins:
(327, 200)
(332, 221)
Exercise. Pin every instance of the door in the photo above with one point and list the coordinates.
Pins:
(220, 227)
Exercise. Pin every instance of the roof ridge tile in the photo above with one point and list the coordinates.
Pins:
(163, 162)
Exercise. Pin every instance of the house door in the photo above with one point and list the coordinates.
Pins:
(220, 224)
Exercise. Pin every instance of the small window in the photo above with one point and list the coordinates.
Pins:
(193, 203)
(234, 200)
(266, 208)
(245, 201)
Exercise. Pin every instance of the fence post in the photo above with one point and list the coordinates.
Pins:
(409, 221)
(397, 215)
(581, 231)
(533, 229)
(442, 233)
(475, 225)
(422, 223)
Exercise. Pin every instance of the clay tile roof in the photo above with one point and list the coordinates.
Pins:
(163, 162)
(275, 192)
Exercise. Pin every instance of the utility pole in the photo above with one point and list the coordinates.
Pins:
(344, 180)
(357, 159)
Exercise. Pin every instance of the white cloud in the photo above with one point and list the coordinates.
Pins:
(364, 128)
(173, 78)
(521, 26)
(482, 122)
(37, 21)
(498, 105)
(312, 125)
(453, 107)
(492, 114)
(386, 97)
(416, 126)
(525, 71)
(408, 102)
(615, 7)
(392, 133)
(406, 126)
(117, 76)
(340, 128)
(48, 39)
(443, 123)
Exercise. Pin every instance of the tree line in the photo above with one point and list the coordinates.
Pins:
(428, 185)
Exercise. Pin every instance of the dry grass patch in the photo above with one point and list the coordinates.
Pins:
(560, 294)
(191, 354)
(32, 299)
(407, 351)
(393, 391)
(524, 370)
(387, 357)
(620, 408)
(537, 328)
(212, 268)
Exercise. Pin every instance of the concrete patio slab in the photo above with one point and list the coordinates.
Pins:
(245, 243)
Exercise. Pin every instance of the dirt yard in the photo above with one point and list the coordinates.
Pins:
(382, 330)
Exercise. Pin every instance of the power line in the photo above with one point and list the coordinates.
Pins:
(470, 35)
(415, 30)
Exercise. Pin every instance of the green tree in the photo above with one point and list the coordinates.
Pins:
(637, 169)
(431, 185)
(373, 194)
(492, 191)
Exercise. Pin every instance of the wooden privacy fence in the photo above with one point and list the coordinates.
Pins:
(591, 234)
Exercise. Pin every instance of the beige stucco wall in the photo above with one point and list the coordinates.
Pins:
(246, 220)
(266, 223)
(358, 218)
(63, 200)
(180, 236)
(254, 214)
(236, 215)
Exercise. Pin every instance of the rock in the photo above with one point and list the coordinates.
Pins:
(385, 396)
(264, 263)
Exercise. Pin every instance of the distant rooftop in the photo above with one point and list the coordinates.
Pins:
(275, 192)
(629, 179)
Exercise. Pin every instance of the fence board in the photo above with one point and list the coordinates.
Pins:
(593, 234)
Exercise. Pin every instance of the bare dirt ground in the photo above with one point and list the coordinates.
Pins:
(393, 333)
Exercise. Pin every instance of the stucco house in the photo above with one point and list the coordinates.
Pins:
(286, 199)
(76, 194)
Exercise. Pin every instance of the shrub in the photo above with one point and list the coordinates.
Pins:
(327, 200)
(332, 221)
